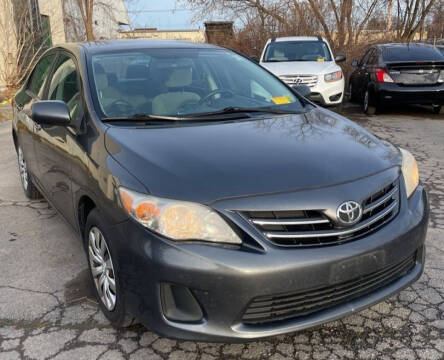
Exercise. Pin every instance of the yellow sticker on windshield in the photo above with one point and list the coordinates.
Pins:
(320, 59)
(280, 100)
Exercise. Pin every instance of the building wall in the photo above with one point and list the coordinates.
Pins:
(8, 41)
(186, 35)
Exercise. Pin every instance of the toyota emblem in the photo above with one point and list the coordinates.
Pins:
(349, 213)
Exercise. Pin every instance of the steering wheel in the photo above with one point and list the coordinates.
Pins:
(116, 106)
(212, 94)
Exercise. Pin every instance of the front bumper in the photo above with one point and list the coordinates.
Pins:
(328, 94)
(421, 95)
(225, 279)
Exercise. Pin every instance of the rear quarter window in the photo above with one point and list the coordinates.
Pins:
(411, 53)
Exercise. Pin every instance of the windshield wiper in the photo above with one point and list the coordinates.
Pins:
(288, 60)
(244, 110)
(144, 118)
(217, 115)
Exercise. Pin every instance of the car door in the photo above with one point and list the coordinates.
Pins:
(55, 145)
(31, 92)
(360, 81)
(371, 66)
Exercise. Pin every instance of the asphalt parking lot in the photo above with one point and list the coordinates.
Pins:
(46, 311)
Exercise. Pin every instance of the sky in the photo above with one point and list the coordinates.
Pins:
(161, 14)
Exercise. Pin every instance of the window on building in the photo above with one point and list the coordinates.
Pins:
(46, 30)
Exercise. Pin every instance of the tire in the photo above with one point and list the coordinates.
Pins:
(366, 107)
(28, 185)
(438, 109)
(99, 252)
(351, 95)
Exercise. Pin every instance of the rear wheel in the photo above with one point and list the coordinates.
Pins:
(438, 109)
(367, 105)
(104, 271)
(28, 186)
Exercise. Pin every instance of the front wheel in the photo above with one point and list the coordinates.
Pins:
(351, 95)
(366, 104)
(28, 186)
(104, 271)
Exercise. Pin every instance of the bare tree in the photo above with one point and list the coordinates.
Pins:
(340, 21)
(411, 15)
(86, 8)
(436, 25)
(389, 15)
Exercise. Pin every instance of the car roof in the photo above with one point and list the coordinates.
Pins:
(133, 44)
(297, 38)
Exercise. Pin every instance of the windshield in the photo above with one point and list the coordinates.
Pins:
(183, 82)
(278, 51)
(411, 53)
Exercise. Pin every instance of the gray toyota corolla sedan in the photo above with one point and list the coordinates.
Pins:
(215, 202)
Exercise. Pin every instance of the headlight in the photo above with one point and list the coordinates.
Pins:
(409, 171)
(441, 76)
(334, 76)
(177, 220)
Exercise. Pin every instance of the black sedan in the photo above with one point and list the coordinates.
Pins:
(398, 73)
(213, 201)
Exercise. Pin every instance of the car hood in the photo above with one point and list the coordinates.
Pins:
(301, 67)
(211, 161)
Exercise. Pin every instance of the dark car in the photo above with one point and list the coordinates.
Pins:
(398, 73)
(441, 48)
(215, 202)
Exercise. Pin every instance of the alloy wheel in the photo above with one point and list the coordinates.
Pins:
(102, 268)
(23, 169)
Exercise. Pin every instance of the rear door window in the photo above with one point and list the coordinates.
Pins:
(37, 80)
(366, 57)
(373, 59)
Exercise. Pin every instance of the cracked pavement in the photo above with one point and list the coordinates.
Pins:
(47, 312)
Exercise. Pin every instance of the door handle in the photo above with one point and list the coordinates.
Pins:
(38, 127)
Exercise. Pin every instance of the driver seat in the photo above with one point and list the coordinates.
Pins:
(169, 103)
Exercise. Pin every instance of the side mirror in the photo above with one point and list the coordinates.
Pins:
(340, 58)
(354, 63)
(254, 58)
(303, 90)
(52, 112)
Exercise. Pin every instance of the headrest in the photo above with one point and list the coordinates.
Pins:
(137, 71)
(101, 81)
(98, 68)
(180, 77)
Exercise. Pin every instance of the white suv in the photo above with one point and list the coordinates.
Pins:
(306, 61)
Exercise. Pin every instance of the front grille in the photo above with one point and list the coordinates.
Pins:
(268, 309)
(301, 79)
(308, 228)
